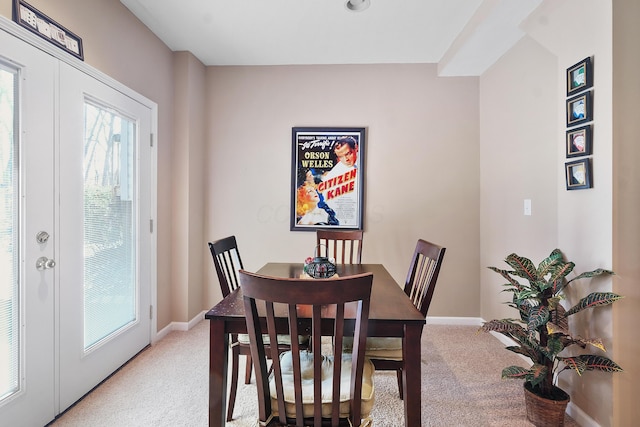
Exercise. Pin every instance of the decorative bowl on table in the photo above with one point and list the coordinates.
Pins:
(319, 267)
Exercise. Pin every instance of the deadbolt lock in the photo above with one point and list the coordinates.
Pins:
(42, 237)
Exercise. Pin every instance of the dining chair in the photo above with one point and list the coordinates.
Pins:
(386, 353)
(227, 262)
(311, 387)
(345, 246)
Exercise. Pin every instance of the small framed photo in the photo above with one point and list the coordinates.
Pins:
(38, 23)
(579, 141)
(579, 109)
(327, 178)
(578, 174)
(579, 76)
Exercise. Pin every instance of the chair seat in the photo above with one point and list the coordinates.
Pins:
(379, 348)
(306, 360)
(282, 339)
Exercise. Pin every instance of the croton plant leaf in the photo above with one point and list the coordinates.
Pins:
(514, 372)
(537, 374)
(548, 262)
(554, 346)
(524, 350)
(523, 267)
(594, 299)
(574, 363)
(584, 342)
(591, 362)
(507, 275)
(502, 326)
(558, 273)
(538, 316)
(589, 274)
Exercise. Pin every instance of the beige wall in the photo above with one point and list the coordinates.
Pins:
(421, 164)
(188, 249)
(518, 161)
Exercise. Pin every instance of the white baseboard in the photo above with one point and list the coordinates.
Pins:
(508, 342)
(462, 321)
(580, 416)
(179, 326)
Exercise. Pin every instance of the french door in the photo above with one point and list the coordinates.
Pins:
(27, 293)
(76, 187)
(104, 236)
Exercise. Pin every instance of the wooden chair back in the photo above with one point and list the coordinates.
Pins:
(264, 297)
(423, 274)
(345, 246)
(227, 261)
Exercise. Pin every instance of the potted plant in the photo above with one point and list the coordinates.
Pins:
(541, 332)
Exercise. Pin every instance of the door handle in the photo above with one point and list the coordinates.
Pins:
(44, 263)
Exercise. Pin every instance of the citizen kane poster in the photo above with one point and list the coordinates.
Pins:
(327, 178)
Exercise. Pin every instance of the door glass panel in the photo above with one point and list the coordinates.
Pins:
(110, 290)
(9, 232)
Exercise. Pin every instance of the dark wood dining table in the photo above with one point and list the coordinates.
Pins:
(391, 314)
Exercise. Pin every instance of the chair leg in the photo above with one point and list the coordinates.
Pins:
(235, 356)
(399, 375)
(247, 376)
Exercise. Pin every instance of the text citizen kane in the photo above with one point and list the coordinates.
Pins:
(343, 184)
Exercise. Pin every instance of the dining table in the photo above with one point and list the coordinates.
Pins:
(391, 314)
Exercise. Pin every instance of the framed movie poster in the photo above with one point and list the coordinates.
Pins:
(327, 178)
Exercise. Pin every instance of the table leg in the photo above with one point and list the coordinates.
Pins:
(218, 359)
(411, 375)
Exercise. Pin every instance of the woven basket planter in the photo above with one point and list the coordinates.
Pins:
(545, 412)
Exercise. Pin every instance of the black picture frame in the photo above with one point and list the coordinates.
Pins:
(38, 23)
(327, 178)
(579, 141)
(578, 174)
(579, 76)
(580, 109)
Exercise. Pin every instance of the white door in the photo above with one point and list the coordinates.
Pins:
(76, 197)
(105, 232)
(27, 331)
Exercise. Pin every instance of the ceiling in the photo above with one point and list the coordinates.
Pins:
(464, 37)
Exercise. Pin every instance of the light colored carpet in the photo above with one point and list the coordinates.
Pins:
(167, 385)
